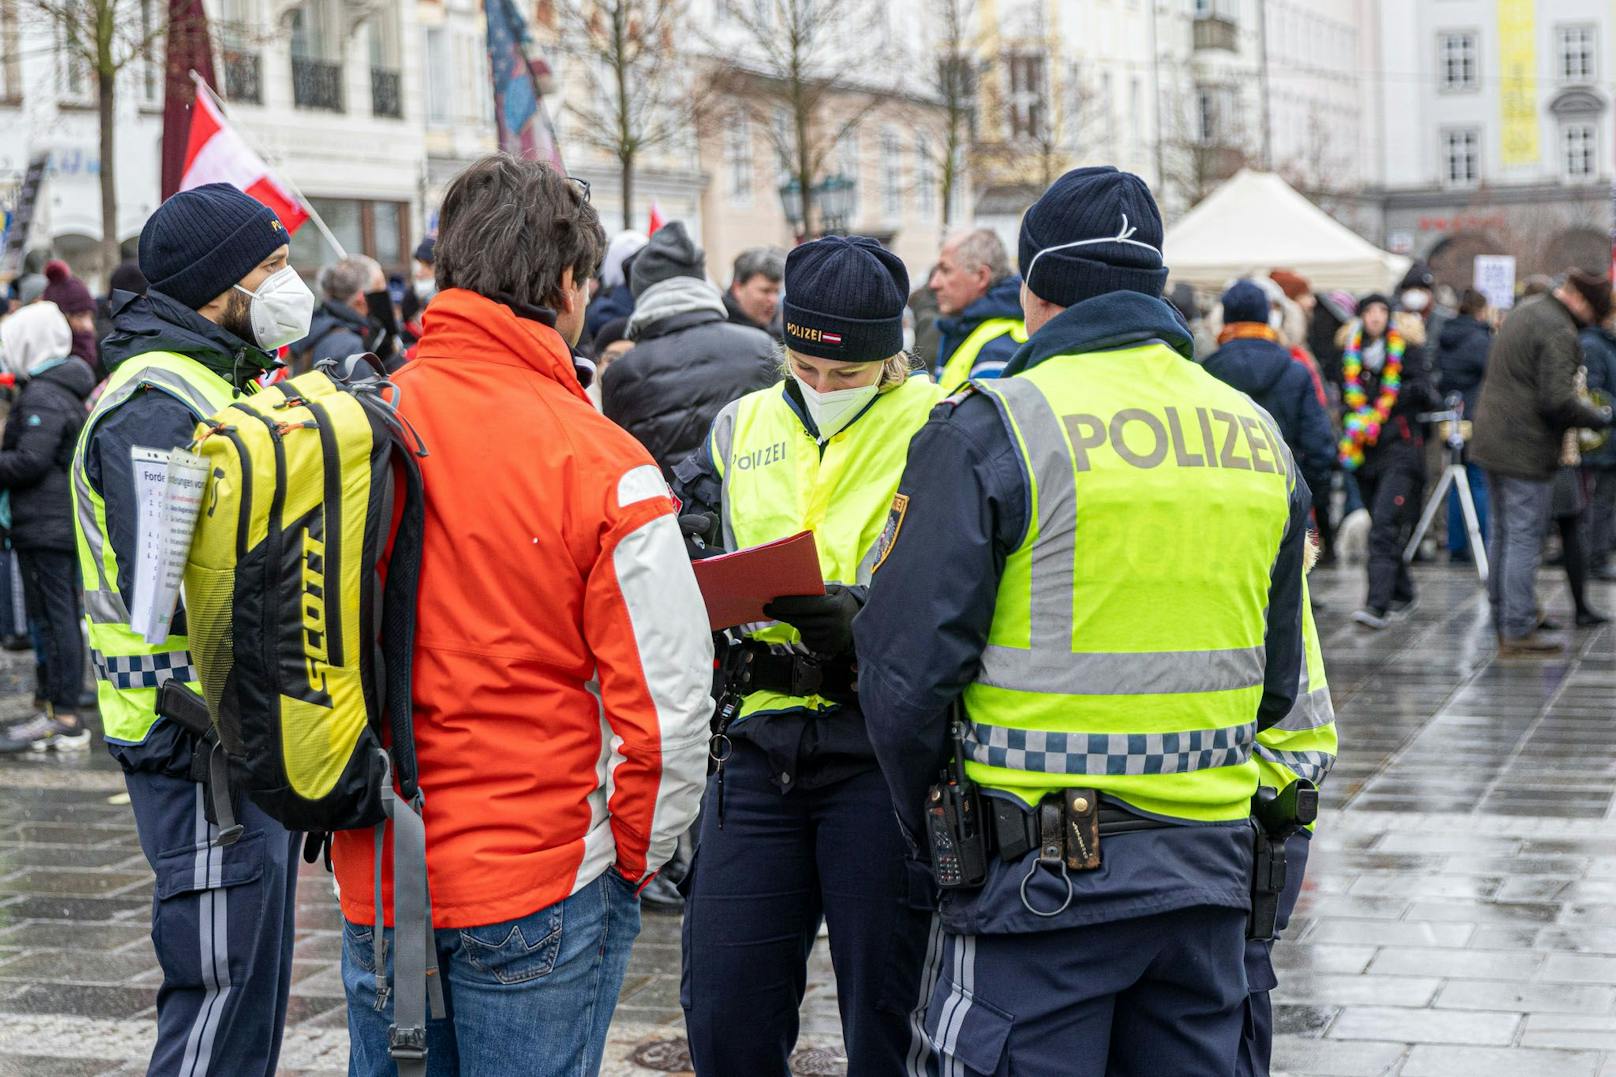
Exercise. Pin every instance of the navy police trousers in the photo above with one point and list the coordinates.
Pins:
(1145, 997)
(758, 889)
(222, 927)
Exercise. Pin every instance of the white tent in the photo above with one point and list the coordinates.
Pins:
(1257, 222)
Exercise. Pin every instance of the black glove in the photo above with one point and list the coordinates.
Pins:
(824, 621)
(701, 535)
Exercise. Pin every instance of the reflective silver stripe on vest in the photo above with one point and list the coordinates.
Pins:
(1050, 667)
(1314, 766)
(721, 444)
(159, 378)
(105, 608)
(1109, 753)
(143, 670)
(1312, 708)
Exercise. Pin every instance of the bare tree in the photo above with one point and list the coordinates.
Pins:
(954, 82)
(106, 37)
(804, 56)
(636, 93)
(1199, 151)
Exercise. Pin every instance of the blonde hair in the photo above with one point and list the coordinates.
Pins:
(895, 369)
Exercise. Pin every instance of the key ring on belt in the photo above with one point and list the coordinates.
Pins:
(1067, 879)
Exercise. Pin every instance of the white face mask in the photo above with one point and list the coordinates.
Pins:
(282, 308)
(831, 412)
(425, 288)
(1416, 300)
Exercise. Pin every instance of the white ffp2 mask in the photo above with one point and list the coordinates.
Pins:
(282, 309)
(831, 412)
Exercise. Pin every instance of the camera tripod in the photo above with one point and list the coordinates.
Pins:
(1452, 475)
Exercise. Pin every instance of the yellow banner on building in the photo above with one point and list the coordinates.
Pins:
(1517, 92)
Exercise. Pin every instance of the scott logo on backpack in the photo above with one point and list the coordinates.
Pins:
(314, 633)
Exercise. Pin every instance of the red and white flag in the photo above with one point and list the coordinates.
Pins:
(215, 153)
(655, 220)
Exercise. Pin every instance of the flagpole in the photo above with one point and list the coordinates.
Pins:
(314, 214)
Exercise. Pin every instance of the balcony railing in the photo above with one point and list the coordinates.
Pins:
(316, 84)
(1216, 32)
(242, 79)
(386, 95)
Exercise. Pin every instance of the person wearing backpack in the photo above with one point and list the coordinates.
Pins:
(36, 348)
(223, 297)
(563, 659)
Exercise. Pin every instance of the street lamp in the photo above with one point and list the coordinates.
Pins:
(834, 194)
(791, 199)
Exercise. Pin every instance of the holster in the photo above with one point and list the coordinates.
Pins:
(1268, 872)
(210, 765)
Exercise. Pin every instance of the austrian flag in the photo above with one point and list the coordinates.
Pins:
(831, 338)
(215, 153)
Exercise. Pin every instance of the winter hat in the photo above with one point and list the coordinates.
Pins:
(425, 250)
(127, 278)
(32, 337)
(1371, 299)
(623, 247)
(1245, 301)
(202, 241)
(1419, 275)
(1596, 290)
(1340, 304)
(844, 299)
(1096, 230)
(30, 287)
(1292, 283)
(1182, 296)
(670, 253)
(66, 290)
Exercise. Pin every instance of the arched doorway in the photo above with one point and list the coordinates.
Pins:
(1453, 259)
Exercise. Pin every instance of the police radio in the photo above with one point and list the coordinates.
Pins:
(959, 854)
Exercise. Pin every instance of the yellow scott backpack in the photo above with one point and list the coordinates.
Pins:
(300, 596)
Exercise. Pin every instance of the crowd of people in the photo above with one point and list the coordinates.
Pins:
(997, 656)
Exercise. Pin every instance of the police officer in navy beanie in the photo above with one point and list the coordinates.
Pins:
(1092, 600)
(221, 299)
(798, 826)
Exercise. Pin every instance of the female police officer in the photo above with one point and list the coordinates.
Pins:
(797, 825)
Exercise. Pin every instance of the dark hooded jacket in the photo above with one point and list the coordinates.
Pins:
(1265, 371)
(1003, 300)
(1529, 399)
(37, 453)
(336, 332)
(1461, 358)
(684, 367)
(1599, 356)
(616, 303)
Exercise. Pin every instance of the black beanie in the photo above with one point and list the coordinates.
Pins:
(670, 253)
(202, 241)
(1097, 204)
(844, 300)
(1245, 301)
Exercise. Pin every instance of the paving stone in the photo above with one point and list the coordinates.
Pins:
(1570, 1031)
(1531, 997)
(1335, 1058)
(1425, 1026)
(1473, 964)
(1342, 990)
(1388, 933)
(1578, 968)
(1427, 1060)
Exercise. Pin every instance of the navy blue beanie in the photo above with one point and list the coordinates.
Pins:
(1092, 204)
(202, 241)
(1245, 301)
(844, 300)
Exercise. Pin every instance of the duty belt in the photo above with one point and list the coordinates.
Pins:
(760, 669)
(1016, 830)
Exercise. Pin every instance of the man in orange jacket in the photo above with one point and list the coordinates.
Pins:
(552, 563)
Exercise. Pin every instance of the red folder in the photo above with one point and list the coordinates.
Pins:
(736, 586)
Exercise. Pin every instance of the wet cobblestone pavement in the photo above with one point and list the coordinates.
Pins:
(1459, 916)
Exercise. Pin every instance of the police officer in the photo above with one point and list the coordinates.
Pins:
(797, 825)
(1099, 556)
(1302, 745)
(222, 298)
(979, 301)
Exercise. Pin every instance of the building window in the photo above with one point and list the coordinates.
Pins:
(1581, 151)
(925, 176)
(1025, 117)
(1456, 58)
(362, 226)
(439, 78)
(891, 174)
(386, 81)
(316, 71)
(1461, 153)
(785, 146)
(847, 163)
(1578, 47)
(738, 157)
(150, 72)
(1207, 117)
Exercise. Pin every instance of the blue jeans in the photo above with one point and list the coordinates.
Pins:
(1520, 515)
(532, 996)
(1458, 537)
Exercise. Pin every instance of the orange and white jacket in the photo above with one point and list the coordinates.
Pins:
(552, 563)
